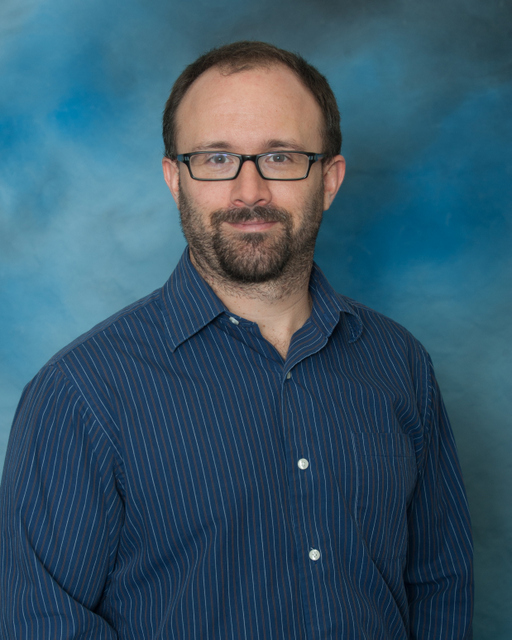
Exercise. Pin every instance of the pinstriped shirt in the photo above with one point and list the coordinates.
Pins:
(170, 476)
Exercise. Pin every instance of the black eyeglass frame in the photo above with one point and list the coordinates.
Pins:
(185, 158)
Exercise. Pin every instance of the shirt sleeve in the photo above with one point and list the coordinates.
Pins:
(60, 515)
(438, 576)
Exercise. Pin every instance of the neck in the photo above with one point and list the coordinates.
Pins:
(279, 307)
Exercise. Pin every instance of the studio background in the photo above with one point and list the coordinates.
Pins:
(421, 229)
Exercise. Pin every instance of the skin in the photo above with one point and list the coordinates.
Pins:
(250, 112)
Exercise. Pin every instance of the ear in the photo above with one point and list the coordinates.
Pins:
(172, 177)
(333, 174)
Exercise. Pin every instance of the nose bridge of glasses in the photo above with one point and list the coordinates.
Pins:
(255, 158)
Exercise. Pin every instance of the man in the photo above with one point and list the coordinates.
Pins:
(244, 453)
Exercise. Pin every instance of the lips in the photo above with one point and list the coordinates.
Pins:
(256, 225)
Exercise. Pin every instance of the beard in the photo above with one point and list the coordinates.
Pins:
(283, 254)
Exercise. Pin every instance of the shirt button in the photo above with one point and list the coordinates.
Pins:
(233, 320)
(314, 554)
(288, 375)
(303, 464)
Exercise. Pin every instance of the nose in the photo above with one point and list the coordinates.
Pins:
(249, 188)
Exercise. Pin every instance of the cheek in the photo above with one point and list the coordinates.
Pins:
(292, 196)
(207, 196)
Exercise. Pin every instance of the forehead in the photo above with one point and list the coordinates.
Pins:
(248, 110)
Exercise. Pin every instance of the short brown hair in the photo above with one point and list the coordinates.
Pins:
(243, 55)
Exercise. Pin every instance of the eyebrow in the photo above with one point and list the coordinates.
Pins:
(291, 144)
(269, 145)
(216, 145)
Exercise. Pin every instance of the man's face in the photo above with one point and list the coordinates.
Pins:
(250, 229)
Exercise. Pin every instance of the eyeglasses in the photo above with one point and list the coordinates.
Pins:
(277, 165)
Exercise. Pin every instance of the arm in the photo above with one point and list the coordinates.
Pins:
(439, 563)
(60, 516)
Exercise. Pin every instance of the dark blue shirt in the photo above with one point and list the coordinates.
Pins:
(169, 476)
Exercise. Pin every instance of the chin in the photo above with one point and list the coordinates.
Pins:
(254, 259)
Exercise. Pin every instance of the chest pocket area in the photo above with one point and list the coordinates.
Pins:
(385, 469)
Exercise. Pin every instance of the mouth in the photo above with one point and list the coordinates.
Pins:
(253, 226)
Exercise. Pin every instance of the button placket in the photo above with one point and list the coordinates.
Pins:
(304, 482)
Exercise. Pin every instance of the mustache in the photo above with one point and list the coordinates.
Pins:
(246, 214)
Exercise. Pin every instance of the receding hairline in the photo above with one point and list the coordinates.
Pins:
(229, 68)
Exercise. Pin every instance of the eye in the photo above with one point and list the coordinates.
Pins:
(278, 158)
(217, 159)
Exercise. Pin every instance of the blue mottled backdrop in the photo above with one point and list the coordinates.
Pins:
(421, 229)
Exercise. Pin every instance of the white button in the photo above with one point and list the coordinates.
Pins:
(314, 554)
(288, 375)
(303, 464)
(233, 320)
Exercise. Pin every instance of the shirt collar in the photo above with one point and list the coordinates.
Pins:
(190, 304)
